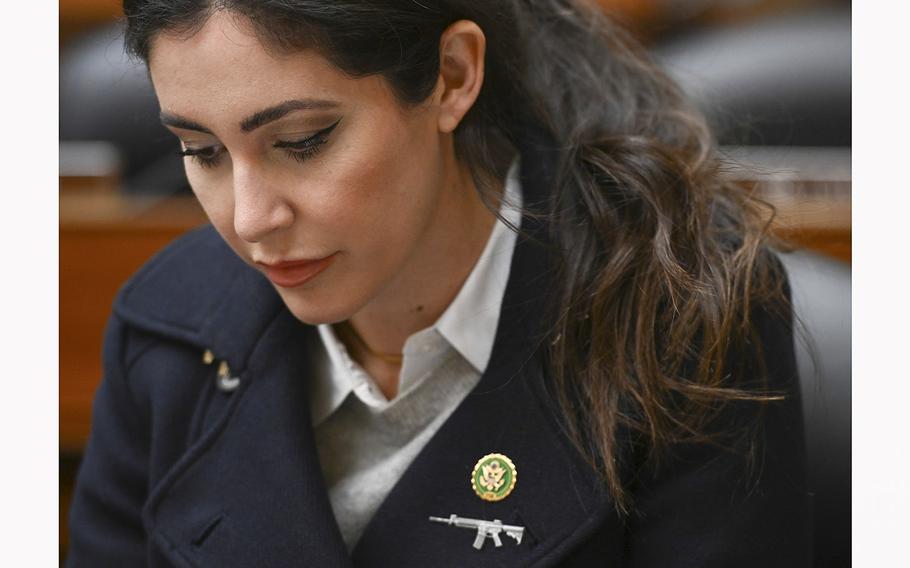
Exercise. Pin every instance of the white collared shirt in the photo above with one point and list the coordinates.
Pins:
(366, 442)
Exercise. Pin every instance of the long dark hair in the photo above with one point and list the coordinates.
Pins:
(659, 257)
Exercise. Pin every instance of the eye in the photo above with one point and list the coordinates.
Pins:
(206, 157)
(306, 148)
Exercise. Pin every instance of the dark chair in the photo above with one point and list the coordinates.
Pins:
(821, 301)
(780, 81)
(786, 81)
(106, 96)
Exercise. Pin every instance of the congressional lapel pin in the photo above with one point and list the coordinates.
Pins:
(485, 529)
(494, 477)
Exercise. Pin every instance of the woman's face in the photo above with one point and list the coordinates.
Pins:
(294, 161)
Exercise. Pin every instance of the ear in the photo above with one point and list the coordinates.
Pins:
(461, 52)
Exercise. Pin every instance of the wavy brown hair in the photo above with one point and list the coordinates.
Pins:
(660, 260)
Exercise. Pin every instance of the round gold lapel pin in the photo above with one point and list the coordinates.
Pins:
(494, 477)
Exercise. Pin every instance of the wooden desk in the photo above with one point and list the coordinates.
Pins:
(811, 188)
(821, 223)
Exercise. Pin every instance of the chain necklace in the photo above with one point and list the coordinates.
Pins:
(392, 358)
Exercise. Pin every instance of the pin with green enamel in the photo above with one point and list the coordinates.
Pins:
(494, 477)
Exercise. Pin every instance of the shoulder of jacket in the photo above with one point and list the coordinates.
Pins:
(188, 289)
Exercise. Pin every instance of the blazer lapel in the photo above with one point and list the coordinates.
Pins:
(251, 492)
(557, 498)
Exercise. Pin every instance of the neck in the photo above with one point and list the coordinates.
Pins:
(432, 277)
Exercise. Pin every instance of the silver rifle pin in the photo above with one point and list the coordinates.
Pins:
(484, 529)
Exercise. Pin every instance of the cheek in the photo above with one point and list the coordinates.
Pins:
(382, 201)
(217, 200)
(213, 193)
(396, 177)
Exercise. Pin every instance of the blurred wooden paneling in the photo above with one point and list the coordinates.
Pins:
(650, 19)
(818, 223)
(77, 16)
(632, 13)
(641, 16)
(810, 188)
(725, 13)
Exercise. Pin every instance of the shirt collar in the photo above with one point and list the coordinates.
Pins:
(469, 323)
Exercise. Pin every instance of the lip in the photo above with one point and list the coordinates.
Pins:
(293, 273)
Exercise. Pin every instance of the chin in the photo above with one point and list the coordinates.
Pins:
(313, 311)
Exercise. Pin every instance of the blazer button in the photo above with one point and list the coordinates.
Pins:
(224, 380)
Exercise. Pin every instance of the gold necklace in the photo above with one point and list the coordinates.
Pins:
(392, 358)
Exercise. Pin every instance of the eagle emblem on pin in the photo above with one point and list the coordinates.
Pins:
(494, 477)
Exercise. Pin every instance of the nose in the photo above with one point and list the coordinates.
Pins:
(259, 205)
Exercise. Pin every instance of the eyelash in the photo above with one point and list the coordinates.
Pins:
(299, 150)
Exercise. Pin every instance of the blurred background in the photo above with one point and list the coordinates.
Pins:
(773, 77)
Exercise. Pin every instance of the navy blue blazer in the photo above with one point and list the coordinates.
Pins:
(180, 473)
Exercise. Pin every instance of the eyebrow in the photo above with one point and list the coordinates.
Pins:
(255, 120)
(176, 121)
(273, 113)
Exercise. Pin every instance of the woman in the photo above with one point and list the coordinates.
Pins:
(472, 266)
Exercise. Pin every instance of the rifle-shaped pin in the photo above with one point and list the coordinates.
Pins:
(484, 529)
